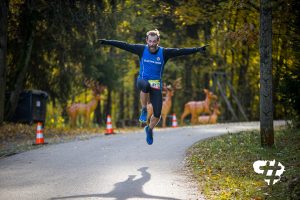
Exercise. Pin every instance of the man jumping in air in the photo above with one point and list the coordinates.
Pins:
(152, 61)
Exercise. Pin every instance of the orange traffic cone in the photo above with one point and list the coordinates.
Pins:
(174, 121)
(39, 134)
(109, 129)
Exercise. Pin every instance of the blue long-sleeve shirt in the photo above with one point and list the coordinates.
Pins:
(151, 64)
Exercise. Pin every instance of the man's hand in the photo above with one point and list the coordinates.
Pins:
(203, 48)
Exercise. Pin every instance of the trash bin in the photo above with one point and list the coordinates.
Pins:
(31, 107)
(169, 120)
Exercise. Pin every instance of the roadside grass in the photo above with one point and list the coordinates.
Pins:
(17, 138)
(223, 166)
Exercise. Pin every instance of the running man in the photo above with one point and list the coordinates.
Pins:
(152, 61)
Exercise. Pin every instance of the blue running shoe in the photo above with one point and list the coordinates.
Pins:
(149, 134)
(143, 116)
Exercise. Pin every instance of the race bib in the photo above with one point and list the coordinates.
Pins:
(155, 84)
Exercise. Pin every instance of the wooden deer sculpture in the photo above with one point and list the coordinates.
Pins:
(167, 103)
(210, 119)
(195, 108)
(85, 110)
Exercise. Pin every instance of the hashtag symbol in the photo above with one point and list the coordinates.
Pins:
(272, 170)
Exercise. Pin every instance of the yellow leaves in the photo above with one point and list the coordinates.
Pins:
(189, 13)
(201, 162)
(12, 132)
(124, 26)
(14, 6)
(224, 178)
(247, 34)
(56, 121)
(41, 25)
(17, 1)
(227, 179)
(216, 177)
(257, 198)
(224, 167)
(209, 171)
(225, 195)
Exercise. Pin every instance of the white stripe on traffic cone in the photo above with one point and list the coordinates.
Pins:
(174, 121)
(39, 134)
(109, 129)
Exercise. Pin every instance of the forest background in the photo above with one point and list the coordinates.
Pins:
(51, 46)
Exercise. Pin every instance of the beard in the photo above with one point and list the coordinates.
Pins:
(152, 48)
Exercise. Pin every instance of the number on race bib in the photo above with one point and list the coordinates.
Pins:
(155, 84)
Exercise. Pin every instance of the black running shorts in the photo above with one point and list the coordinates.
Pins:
(155, 96)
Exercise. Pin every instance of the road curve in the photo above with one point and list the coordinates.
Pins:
(115, 167)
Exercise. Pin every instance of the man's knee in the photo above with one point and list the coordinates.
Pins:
(157, 114)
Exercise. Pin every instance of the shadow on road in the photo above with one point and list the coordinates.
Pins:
(130, 188)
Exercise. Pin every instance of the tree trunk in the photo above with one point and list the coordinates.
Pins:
(97, 114)
(278, 70)
(207, 37)
(136, 98)
(207, 31)
(3, 51)
(24, 65)
(206, 80)
(127, 108)
(266, 87)
(243, 83)
(243, 86)
(187, 91)
(121, 103)
(108, 103)
(23, 62)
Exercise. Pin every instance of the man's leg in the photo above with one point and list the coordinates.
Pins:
(156, 101)
(144, 97)
(144, 88)
(149, 129)
(153, 121)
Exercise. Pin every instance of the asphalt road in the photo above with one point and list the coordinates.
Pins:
(115, 167)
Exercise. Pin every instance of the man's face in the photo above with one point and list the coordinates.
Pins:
(152, 42)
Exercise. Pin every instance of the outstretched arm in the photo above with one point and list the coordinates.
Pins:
(174, 52)
(133, 48)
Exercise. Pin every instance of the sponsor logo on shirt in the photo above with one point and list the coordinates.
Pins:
(151, 61)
